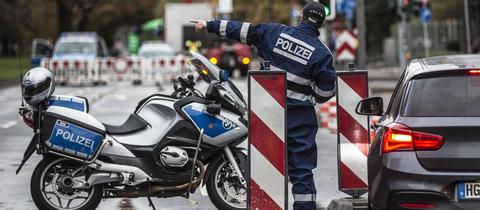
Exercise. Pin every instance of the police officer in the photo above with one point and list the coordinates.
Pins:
(311, 79)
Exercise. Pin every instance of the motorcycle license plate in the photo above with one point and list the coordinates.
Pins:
(468, 191)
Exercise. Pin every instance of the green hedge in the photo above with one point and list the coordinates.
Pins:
(9, 68)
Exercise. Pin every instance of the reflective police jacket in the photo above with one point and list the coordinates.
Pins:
(297, 50)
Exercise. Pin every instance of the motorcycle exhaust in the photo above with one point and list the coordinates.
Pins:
(102, 177)
(155, 189)
(125, 170)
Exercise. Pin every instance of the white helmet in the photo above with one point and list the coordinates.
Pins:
(37, 85)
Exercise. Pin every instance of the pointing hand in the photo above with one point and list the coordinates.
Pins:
(199, 24)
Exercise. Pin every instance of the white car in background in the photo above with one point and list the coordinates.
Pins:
(152, 49)
(80, 45)
(163, 62)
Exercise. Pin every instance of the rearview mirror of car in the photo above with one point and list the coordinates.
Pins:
(370, 106)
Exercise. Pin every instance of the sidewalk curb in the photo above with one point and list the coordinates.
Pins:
(349, 204)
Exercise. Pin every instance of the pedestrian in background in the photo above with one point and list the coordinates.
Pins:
(310, 79)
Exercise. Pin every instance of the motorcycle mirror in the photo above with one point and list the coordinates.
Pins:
(191, 80)
(175, 85)
(224, 75)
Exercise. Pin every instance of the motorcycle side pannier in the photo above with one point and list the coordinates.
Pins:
(72, 132)
(72, 102)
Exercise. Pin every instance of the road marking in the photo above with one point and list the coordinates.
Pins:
(126, 204)
(120, 97)
(203, 190)
(8, 124)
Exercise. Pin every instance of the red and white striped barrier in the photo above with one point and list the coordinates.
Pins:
(328, 115)
(101, 70)
(373, 121)
(164, 69)
(267, 135)
(346, 44)
(70, 71)
(353, 133)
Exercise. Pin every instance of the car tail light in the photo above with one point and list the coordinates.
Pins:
(474, 71)
(427, 141)
(399, 137)
(417, 205)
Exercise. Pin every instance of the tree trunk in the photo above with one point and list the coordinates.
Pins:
(64, 15)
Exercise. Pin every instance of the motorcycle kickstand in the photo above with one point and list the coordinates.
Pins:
(193, 167)
(150, 203)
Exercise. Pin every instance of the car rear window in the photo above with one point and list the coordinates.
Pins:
(454, 96)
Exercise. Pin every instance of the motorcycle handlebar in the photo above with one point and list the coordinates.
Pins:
(185, 85)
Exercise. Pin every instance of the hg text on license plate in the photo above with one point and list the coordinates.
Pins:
(468, 190)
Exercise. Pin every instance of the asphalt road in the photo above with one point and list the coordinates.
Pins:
(112, 104)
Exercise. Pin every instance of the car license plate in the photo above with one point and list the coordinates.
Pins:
(468, 190)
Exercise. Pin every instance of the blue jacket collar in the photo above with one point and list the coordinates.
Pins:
(308, 29)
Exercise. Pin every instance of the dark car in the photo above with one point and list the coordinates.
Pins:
(426, 150)
(230, 56)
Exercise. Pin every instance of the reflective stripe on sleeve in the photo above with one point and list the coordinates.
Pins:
(324, 93)
(223, 28)
(244, 32)
(304, 197)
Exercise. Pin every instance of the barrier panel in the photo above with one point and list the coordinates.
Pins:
(267, 171)
(353, 133)
(130, 68)
(327, 113)
(69, 71)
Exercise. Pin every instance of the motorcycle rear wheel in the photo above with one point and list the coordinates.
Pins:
(50, 166)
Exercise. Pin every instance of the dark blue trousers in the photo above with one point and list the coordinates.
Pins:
(302, 155)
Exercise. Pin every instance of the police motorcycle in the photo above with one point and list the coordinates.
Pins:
(161, 150)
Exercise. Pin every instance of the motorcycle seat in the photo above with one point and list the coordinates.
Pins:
(133, 124)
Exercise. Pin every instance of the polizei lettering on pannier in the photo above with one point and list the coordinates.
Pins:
(68, 136)
(74, 140)
(293, 48)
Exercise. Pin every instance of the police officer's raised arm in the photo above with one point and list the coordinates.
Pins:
(240, 31)
(323, 86)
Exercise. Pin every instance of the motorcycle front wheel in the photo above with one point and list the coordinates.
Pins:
(223, 186)
(51, 186)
